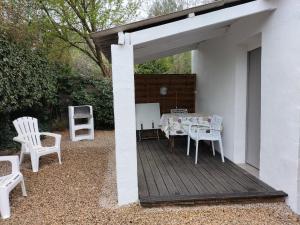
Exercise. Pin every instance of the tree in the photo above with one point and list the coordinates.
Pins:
(162, 7)
(16, 20)
(74, 20)
(159, 66)
(180, 63)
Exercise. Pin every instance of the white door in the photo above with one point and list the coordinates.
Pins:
(253, 108)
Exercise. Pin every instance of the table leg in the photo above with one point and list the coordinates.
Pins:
(171, 143)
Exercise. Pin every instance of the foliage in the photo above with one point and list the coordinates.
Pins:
(30, 85)
(73, 21)
(26, 78)
(87, 90)
(153, 67)
(162, 7)
(180, 63)
(7, 132)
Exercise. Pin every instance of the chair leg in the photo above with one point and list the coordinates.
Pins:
(4, 205)
(213, 147)
(188, 146)
(221, 149)
(24, 193)
(21, 155)
(34, 163)
(196, 155)
(59, 157)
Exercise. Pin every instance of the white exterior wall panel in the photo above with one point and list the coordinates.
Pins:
(225, 59)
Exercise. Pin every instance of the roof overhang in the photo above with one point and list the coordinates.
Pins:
(178, 32)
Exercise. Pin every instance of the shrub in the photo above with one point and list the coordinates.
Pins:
(30, 85)
(26, 78)
(97, 93)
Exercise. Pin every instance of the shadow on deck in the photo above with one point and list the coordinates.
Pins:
(166, 177)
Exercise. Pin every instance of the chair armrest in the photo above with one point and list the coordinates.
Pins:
(21, 140)
(50, 134)
(14, 159)
(214, 129)
(56, 136)
(199, 125)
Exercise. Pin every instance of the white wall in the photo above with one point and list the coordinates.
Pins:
(221, 68)
(215, 93)
(280, 128)
(221, 65)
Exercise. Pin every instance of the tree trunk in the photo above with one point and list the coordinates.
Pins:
(103, 66)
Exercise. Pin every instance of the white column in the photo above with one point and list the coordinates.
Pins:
(124, 113)
(197, 63)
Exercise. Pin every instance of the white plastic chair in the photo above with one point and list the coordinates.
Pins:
(211, 133)
(8, 183)
(30, 138)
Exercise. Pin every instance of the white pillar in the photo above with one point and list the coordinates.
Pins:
(196, 63)
(124, 113)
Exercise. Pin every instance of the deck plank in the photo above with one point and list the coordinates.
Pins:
(160, 184)
(180, 170)
(172, 177)
(175, 177)
(151, 184)
(172, 188)
(142, 184)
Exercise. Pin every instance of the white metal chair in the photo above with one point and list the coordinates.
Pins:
(8, 183)
(211, 133)
(178, 111)
(30, 138)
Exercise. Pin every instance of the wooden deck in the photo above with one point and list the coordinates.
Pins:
(172, 177)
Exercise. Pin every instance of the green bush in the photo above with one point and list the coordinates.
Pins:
(26, 78)
(91, 91)
(30, 85)
(158, 66)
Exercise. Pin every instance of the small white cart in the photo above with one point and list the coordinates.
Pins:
(81, 113)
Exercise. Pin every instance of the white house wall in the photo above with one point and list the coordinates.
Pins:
(221, 67)
(280, 128)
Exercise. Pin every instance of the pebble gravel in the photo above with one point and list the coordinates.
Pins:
(83, 191)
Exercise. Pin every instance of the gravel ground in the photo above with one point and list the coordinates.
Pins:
(83, 191)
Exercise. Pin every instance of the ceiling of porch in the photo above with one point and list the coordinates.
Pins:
(178, 43)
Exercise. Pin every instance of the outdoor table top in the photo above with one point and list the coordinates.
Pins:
(173, 124)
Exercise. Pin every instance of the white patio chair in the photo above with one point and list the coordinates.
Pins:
(8, 183)
(30, 138)
(211, 133)
(178, 111)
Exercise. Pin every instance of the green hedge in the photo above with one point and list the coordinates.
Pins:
(30, 85)
(81, 90)
(26, 78)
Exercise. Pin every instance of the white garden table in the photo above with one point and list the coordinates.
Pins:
(177, 124)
